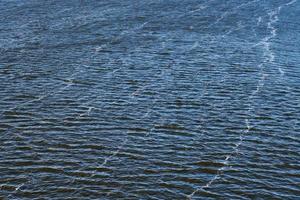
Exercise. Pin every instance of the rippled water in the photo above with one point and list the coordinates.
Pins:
(150, 99)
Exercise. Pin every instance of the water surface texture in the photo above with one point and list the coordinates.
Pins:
(158, 99)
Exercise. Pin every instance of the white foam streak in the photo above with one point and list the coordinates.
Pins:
(269, 57)
(133, 96)
(225, 162)
(291, 2)
(114, 153)
(259, 20)
(41, 97)
(239, 27)
(227, 13)
(194, 46)
(200, 7)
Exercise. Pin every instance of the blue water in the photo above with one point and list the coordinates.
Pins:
(149, 99)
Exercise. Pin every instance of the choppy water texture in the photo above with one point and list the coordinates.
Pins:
(181, 99)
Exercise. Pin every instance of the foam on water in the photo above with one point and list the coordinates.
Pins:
(194, 46)
(70, 82)
(266, 42)
(41, 97)
(239, 27)
(259, 21)
(269, 57)
(230, 12)
(185, 70)
(200, 8)
(71, 77)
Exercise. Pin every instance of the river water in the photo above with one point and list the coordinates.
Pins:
(173, 99)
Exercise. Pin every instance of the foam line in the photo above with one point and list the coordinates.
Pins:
(200, 7)
(234, 10)
(269, 58)
(60, 89)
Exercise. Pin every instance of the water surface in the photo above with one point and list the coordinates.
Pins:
(149, 99)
